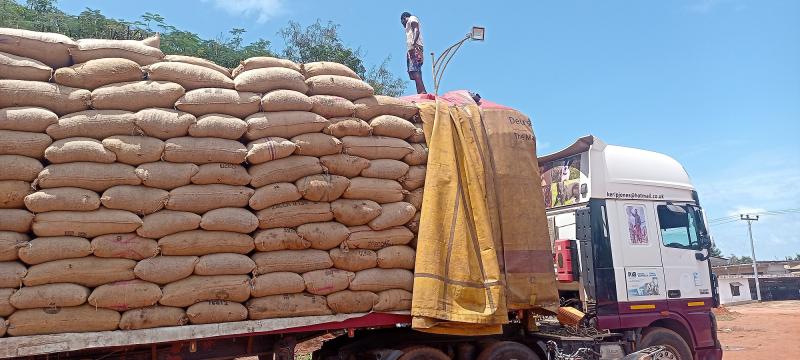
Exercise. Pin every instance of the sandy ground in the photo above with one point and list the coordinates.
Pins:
(767, 330)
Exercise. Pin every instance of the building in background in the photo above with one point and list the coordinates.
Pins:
(780, 280)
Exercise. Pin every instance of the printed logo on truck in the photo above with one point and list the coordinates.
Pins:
(637, 225)
(561, 181)
(642, 283)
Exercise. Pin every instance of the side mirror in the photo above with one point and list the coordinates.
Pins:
(703, 238)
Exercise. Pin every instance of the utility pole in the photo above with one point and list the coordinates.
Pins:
(749, 218)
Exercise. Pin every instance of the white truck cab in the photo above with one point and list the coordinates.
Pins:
(631, 244)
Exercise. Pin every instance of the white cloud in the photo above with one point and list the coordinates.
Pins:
(262, 10)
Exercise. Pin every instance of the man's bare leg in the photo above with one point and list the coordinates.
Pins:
(417, 76)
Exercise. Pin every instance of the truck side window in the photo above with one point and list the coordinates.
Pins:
(677, 227)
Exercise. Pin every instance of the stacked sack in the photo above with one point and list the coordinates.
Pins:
(140, 190)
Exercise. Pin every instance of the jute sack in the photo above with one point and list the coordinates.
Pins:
(204, 150)
(5, 303)
(351, 302)
(239, 220)
(201, 198)
(285, 124)
(218, 126)
(125, 295)
(291, 214)
(10, 243)
(342, 86)
(376, 147)
(76, 319)
(317, 144)
(17, 220)
(124, 246)
(376, 280)
(279, 239)
(277, 283)
(417, 157)
(198, 61)
(78, 149)
(23, 143)
(49, 48)
(268, 149)
(393, 300)
(137, 95)
(219, 101)
(393, 214)
(44, 249)
(134, 150)
(354, 260)
(378, 190)
(385, 169)
(153, 317)
(224, 264)
(415, 178)
(216, 311)
(88, 271)
(288, 169)
(344, 165)
(202, 242)
(221, 173)
(141, 200)
(355, 212)
(322, 187)
(286, 100)
(413, 224)
(164, 222)
(362, 237)
(268, 79)
(274, 194)
(396, 257)
(90, 49)
(30, 119)
(152, 41)
(369, 107)
(87, 175)
(11, 274)
(418, 137)
(332, 106)
(22, 68)
(327, 281)
(328, 68)
(296, 261)
(165, 269)
(165, 175)
(347, 126)
(85, 223)
(323, 235)
(189, 76)
(287, 305)
(196, 288)
(58, 98)
(96, 124)
(99, 72)
(164, 123)
(259, 62)
(392, 126)
(62, 198)
(13, 193)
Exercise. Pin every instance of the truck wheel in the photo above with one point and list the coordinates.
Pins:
(674, 343)
(507, 350)
(423, 353)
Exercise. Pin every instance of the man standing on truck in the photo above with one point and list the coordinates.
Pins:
(414, 54)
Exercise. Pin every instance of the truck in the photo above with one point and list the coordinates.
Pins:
(631, 249)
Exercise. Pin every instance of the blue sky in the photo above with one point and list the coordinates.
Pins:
(713, 83)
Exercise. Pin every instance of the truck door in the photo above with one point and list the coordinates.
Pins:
(637, 240)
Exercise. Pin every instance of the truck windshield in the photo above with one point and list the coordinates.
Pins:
(678, 228)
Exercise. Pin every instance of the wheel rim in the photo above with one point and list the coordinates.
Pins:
(669, 353)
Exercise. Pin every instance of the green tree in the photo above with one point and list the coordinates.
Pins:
(715, 251)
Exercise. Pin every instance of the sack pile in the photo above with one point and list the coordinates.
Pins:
(140, 190)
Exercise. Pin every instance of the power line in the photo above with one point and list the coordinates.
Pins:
(734, 218)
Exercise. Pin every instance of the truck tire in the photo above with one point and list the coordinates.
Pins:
(674, 343)
(507, 350)
(423, 353)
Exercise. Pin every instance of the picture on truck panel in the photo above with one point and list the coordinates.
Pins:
(637, 225)
(561, 182)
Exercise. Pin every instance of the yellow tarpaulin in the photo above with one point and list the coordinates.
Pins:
(468, 251)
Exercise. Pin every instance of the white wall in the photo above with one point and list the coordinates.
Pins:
(725, 295)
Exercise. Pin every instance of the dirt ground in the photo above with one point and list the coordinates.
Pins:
(766, 330)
